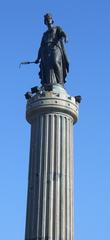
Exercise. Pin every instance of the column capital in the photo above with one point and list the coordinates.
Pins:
(55, 101)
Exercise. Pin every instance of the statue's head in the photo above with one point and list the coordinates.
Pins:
(48, 19)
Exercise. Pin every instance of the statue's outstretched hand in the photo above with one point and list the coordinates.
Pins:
(37, 61)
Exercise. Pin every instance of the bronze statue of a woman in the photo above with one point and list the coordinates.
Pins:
(52, 58)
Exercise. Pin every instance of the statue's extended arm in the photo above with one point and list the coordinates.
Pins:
(62, 34)
(39, 53)
(39, 56)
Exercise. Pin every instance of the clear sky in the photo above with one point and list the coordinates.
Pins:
(87, 24)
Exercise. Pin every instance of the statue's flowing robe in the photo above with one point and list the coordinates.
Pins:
(53, 60)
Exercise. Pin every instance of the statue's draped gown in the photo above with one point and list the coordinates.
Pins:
(53, 60)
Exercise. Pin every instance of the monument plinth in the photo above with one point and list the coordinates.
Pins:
(50, 184)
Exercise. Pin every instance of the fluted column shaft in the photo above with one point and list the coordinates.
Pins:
(49, 203)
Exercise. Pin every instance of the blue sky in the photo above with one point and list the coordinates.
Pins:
(87, 24)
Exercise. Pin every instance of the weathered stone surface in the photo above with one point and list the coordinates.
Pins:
(50, 193)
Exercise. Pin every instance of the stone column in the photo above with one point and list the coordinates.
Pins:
(50, 194)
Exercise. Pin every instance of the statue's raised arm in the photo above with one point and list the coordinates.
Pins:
(52, 58)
